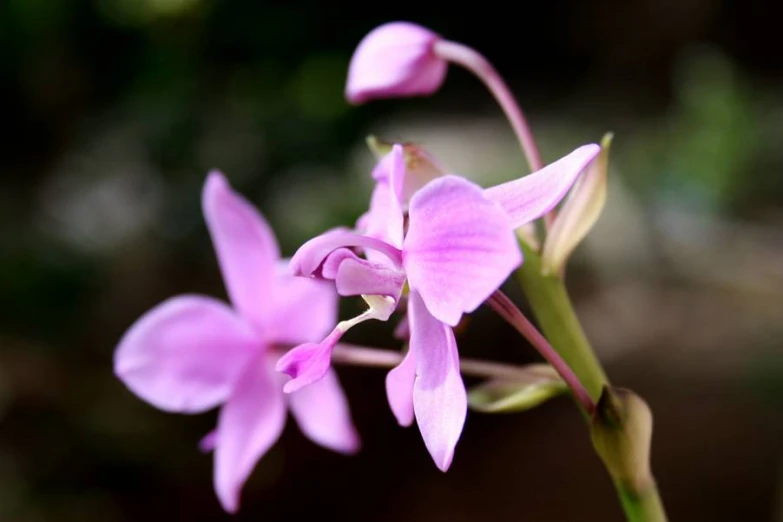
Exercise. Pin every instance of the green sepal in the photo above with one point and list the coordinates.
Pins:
(536, 384)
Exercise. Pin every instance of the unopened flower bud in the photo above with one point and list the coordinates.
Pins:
(395, 59)
(621, 430)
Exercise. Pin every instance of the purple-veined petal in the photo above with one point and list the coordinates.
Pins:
(395, 59)
(459, 247)
(357, 276)
(311, 256)
(532, 196)
(439, 398)
(321, 410)
(304, 309)
(185, 354)
(399, 389)
(248, 425)
(308, 363)
(246, 248)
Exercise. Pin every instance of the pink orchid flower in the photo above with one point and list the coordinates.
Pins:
(192, 353)
(457, 249)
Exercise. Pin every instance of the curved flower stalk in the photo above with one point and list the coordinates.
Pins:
(192, 353)
(457, 249)
(399, 59)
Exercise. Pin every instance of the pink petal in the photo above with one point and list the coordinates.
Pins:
(310, 258)
(391, 169)
(399, 389)
(307, 363)
(385, 220)
(184, 354)
(248, 425)
(321, 410)
(459, 247)
(439, 397)
(304, 309)
(532, 196)
(246, 249)
(395, 59)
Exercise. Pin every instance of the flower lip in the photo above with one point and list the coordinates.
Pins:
(310, 258)
(309, 362)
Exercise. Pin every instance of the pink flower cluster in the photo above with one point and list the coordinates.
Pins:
(428, 250)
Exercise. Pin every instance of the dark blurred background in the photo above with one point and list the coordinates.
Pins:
(114, 111)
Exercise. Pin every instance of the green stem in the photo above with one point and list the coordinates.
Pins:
(641, 506)
(557, 319)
